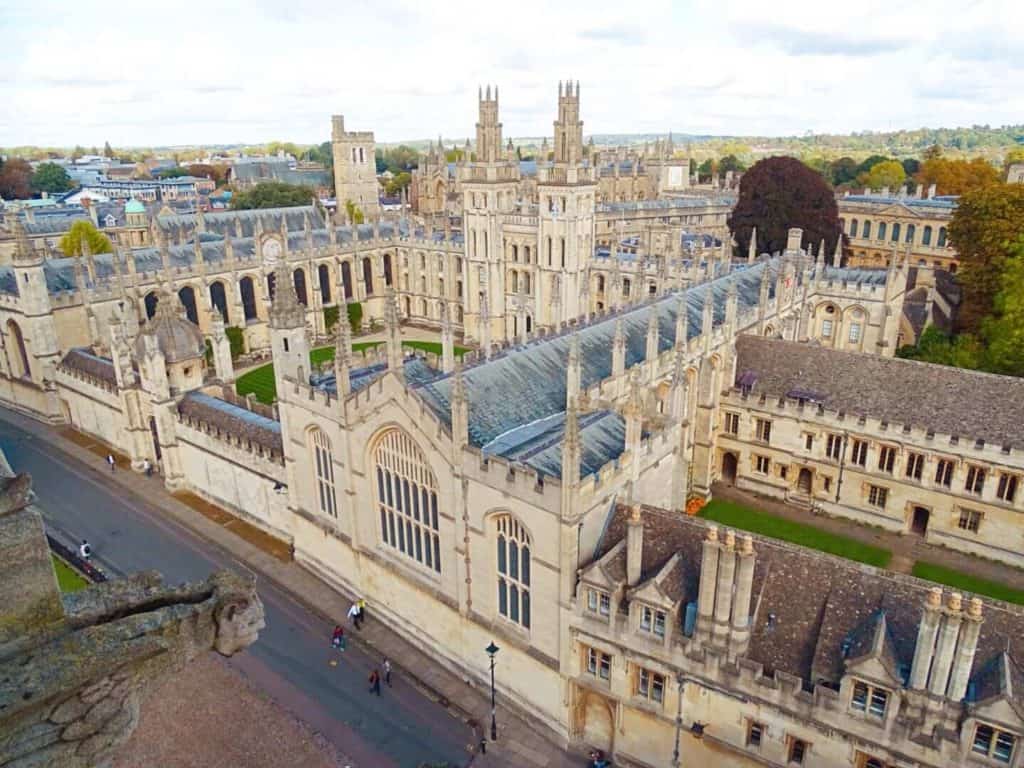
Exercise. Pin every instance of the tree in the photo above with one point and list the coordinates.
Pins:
(778, 193)
(934, 152)
(107, 151)
(1012, 157)
(730, 163)
(77, 152)
(842, 171)
(886, 174)
(71, 243)
(399, 182)
(986, 222)
(271, 194)
(866, 165)
(934, 346)
(16, 180)
(957, 177)
(50, 178)
(911, 166)
(1003, 330)
(354, 214)
(172, 173)
(207, 171)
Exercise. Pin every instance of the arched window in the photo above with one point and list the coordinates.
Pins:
(562, 240)
(942, 237)
(368, 275)
(881, 230)
(926, 238)
(867, 229)
(408, 307)
(526, 282)
(248, 292)
(323, 464)
(324, 275)
(188, 300)
(853, 228)
(514, 281)
(20, 361)
(513, 570)
(219, 299)
(299, 277)
(387, 269)
(526, 254)
(150, 304)
(515, 253)
(407, 499)
(549, 250)
(346, 279)
(896, 232)
(600, 283)
(911, 231)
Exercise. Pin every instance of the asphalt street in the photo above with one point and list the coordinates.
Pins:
(290, 662)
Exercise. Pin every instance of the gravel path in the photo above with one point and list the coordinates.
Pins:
(210, 716)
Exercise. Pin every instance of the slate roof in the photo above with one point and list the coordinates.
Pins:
(81, 359)
(817, 602)
(234, 420)
(226, 221)
(946, 400)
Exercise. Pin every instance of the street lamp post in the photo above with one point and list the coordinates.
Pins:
(492, 651)
(679, 719)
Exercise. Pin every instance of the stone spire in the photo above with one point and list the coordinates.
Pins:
(619, 350)
(678, 395)
(447, 340)
(633, 411)
(572, 371)
(485, 324)
(392, 331)
(651, 350)
(285, 309)
(571, 459)
(752, 250)
(837, 257)
(731, 305)
(682, 322)
(460, 409)
(343, 357)
(23, 250)
(708, 315)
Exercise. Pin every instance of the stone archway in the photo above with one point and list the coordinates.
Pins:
(730, 467)
(598, 723)
(803, 480)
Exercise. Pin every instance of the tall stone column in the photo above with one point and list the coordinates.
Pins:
(724, 592)
(708, 584)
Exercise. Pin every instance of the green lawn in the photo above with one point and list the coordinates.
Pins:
(942, 575)
(746, 519)
(260, 381)
(68, 579)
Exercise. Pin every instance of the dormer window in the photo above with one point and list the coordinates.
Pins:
(652, 620)
(599, 602)
(994, 744)
(869, 699)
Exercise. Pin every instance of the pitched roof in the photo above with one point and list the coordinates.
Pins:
(233, 420)
(946, 400)
(81, 359)
(807, 604)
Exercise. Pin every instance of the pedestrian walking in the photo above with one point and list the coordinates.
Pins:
(111, 462)
(387, 672)
(147, 467)
(362, 611)
(375, 681)
(338, 637)
(353, 614)
(84, 550)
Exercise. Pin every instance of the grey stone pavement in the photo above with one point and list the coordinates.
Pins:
(133, 523)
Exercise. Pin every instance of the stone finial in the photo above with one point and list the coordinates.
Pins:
(730, 538)
(955, 602)
(634, 514)
(747, 544)
(974, 608)
(934, 599)
(712, 533)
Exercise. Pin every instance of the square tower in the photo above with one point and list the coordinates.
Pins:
(355, 168)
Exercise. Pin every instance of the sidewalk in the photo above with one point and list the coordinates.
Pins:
(906, 548)
(518, 745)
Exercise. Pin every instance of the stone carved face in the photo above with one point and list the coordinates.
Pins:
(239, 622)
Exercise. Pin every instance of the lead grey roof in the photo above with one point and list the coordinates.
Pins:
(81, 359)
(234, 420)
(943, 399)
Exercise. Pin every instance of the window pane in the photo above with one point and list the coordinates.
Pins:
(433, 509)
(415, 501)
(513, 560)
(526, 608)
(405, 492)
(383, 524)
(513, 602)
(524, 576)
(501, 555)
(502, 597)
(387, 487)
(437, 553)
(380, 484)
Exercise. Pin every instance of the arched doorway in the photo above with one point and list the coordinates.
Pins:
(325, 283)
(919, 521)
(598, 723)
(730, 465)
(22, 369)
(299, 276)
(248, 292)
(803, 480)
(188, 300)
(219, 299)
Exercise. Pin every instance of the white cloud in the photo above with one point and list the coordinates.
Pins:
(80, 72)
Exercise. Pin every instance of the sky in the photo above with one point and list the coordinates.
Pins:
(156, 73)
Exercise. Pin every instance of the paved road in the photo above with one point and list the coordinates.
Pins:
(400, 729)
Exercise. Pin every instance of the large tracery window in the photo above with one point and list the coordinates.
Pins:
(407, 499)
(324, 465)
(513, 571)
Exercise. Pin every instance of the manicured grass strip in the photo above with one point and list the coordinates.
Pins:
(737, 516)
(942, 575)
(68, 579)
(259, 382)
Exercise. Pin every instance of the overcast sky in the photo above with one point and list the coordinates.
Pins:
(163, 73)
